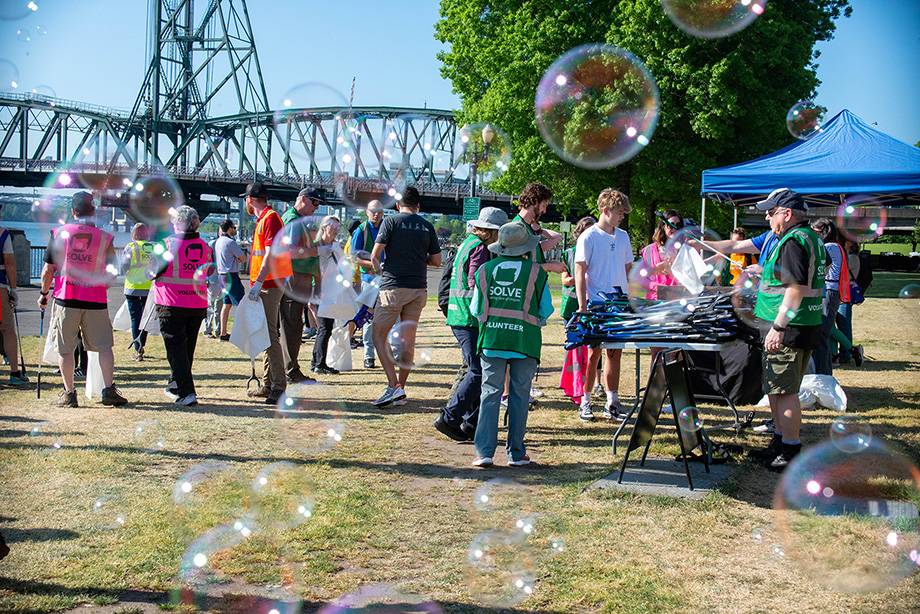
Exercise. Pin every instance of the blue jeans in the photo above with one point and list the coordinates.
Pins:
(844, 325)
(367, 337)
(136, 310)
(465, 401)
(521, 372)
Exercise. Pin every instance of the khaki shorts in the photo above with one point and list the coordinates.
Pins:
(8, 320)
(399, 304)
(66, 322)
(784, 370)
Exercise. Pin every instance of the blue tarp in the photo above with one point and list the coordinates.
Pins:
(846, 157)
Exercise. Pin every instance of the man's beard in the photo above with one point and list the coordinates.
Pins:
(250, 210)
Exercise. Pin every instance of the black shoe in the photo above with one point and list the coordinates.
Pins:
(453, 431)
(224, 338)
(469, 429)
(782, 460)
(857, 353)
(111, 397)
(369, 363)
(324, 370)
(274, 397)
(771, 451)
(79, 374)
(67, 399)
(298, 377)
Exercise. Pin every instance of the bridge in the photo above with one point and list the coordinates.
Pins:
(351, 154)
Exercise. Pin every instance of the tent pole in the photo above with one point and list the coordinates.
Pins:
(703, 213)
(735, 223)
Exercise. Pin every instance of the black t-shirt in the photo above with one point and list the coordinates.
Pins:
(410, 239)
(793, 258)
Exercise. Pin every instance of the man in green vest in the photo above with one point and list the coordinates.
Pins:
(299, 287)
(363, 240)
(789, 299)
(532, 204)
(511, 301)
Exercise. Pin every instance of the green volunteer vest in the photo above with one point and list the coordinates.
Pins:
(365, 229)
(510, 289)
(569, 297)
(536, 255)
(305, 266)
(135, 277)
(770, 295)
(458, 306)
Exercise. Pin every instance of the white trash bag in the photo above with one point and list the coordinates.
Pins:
(94, 381)
(149, 322)
(122, 320)
(338, 356)
(821, 390)
(250, 328)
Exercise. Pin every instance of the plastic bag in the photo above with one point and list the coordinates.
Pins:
(369, 292)
(122, 319)
(250, 328)
(337, 296)
(94, 382)
(149, 322)
(827, 391)
(338, 356)
(806, 400)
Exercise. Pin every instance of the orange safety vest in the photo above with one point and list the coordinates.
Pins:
(281, 265)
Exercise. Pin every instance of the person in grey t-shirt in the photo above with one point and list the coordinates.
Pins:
(228, 255)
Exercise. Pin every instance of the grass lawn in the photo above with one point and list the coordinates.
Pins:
(394, 499)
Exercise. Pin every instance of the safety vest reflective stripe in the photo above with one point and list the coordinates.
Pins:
(281, 265)
(135, 278)
(258, 252)
(569, 292)
(461, 293)
(516, 314)
(812, 292)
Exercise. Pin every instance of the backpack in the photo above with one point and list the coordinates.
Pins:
(864, 278)
(444, 284)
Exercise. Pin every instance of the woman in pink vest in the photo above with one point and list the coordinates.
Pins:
(181, 300)
(654, 256)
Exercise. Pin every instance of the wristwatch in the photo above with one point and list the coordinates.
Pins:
(779, 329)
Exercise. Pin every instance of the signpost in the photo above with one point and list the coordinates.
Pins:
(470, 208)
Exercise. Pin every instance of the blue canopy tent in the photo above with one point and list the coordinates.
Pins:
(846, 157)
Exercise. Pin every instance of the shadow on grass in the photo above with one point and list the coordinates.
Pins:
(14, 535)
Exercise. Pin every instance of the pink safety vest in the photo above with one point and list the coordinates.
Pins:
(178, 286)
(652, 257)
(81, 250)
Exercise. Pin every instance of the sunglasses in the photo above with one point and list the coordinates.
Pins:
(775, 211)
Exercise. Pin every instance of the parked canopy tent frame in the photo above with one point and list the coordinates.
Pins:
(845, 158)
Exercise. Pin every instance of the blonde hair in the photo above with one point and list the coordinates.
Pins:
(613, 199)
(488, 235)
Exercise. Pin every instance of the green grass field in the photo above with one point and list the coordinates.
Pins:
(394, 499)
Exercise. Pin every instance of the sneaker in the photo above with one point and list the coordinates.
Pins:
(503, 403)
(392, 393)
(6, 360)
(599, 391)
(224, 338)
(519, 463)
(369, 363)
(298, 377)
(111, 397)
(67, 399)
(535, 394)
(483, 461)
(171, 393)
(835, 362)
(355, 344)
(469, 429)
(18, 380)
(324, 370)
(455, 432)
(273, 397)
(785, 457)
(765, 427)
(79, 374)
(188, 400)
(310, 333)
(138, 356)
(208, 335)
(612, 411)
(585, 413)
(261, 392)
(400, 402)
(771, 451)
(856, 352)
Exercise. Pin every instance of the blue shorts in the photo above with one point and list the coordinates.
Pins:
(234, 294)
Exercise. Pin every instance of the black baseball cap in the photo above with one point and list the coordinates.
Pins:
(256, 190)
(82, 201)
(312, 194)
(785, 198)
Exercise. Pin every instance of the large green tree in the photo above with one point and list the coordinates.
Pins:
(723, 101)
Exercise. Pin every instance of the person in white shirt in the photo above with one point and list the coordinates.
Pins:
(603, 256)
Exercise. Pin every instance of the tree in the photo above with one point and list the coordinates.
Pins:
(723, 101)
(914, 236)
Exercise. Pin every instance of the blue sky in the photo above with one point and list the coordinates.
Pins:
(94, 52)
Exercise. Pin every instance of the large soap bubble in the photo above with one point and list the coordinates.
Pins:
(500, 568)
(597, 106)
(713, 19)
(9, 76)
(381, 599)
(861, 218)
(482, 146)
(209, 494)
(309, 417)
(284, 496)
(12, 10)
(850, 520)
(297, 122)
(804, 119)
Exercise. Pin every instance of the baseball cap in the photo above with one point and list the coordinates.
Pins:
(312, 194)
(783, 197)
(256, 190)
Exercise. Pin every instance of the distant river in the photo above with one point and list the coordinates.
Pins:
(38, 234)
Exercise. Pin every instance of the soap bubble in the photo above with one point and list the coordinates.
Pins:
(377, 155)
(694, 265)
(203, 273)
(543, 533)
(689, 419)
(292, 243)
(491, 160)
(43, 91)
(501, 503)
(105, 164)
(12, 10)
(23, 35)
(153, 198)
(757, 534)
(744, 299)
(150, 436)
(110, 512)
(597, 106)
(310, 418)
(804, 119)
(410, 344)
(850, 433)
(296, 124)
(46, 436)
(850, 520)
(81, 256)
(9, 76)
(209, 494)
(708, 19)
(861, 219)
(381, 599)
(284, 496)
(41, 30)
(910, 291)
(499, 569)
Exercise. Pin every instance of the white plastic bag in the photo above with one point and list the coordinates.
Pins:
(149, 322)
(827, 391)
(94, 382)
(250, 328)
(337, 296)
(50, 354)
(122, 319)
(806, 400)
(368, 296)
(338, 356)
(689, 268)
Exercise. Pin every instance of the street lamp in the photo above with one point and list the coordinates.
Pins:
(475, 157)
